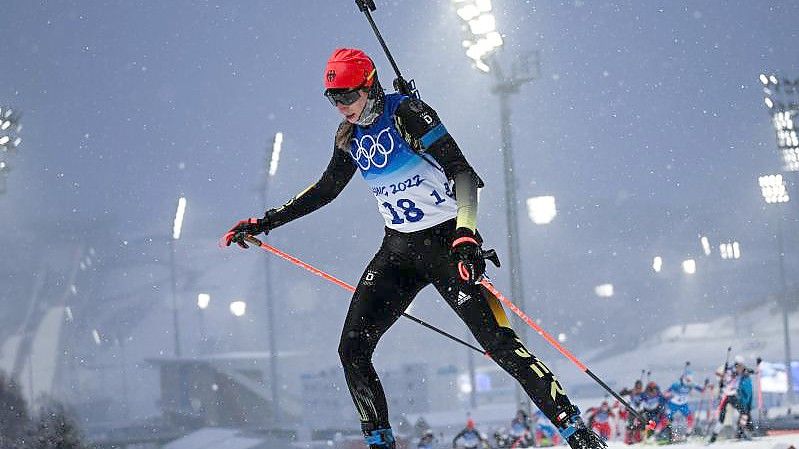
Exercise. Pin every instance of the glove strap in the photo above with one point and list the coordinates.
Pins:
(462, 240)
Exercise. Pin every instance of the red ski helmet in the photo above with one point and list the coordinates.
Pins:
(470, 424)
(349, 68)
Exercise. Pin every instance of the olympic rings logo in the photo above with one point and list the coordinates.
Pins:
(373, 151)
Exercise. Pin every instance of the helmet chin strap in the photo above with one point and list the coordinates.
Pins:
(374, 105)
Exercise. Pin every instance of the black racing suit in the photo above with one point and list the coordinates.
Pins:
(407, 262)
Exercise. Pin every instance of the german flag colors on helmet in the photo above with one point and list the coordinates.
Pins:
(349, 68)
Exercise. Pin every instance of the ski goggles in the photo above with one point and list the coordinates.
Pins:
(345, 97)
(348, 96)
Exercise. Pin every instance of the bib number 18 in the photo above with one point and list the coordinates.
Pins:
(408, 208)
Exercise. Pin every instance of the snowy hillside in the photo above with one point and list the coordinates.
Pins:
(754, 333)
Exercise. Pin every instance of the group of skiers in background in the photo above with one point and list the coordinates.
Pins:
(525, 431)
(673, 413)
(684, 408)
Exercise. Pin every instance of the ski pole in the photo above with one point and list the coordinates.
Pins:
(490, 287)
(346, 286)
(721, 388)
(759, 389)
(407, 88)
(709, 407)
(724, 372)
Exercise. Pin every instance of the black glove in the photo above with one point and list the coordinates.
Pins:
(250, 226)
(468, 253)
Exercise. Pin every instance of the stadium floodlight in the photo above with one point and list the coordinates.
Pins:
(10, 128)
(203, 300)
(464, 384)
(657, 264)
(238, 308)
(541, 209)
(787, 139)
(480, 25)
(277, 145)
(96, 337)
(782, 101)
(773, 189)
(604, 290)
(730, 250)
(177, 225)
(705, 245)
(10, 140)
(790, 159)
(689, 266)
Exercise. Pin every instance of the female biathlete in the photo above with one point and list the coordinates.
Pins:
(411, 163)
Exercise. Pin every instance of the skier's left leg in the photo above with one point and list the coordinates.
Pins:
(485, 317)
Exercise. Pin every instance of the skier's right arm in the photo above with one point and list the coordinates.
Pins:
(335, 177)
(338, 173)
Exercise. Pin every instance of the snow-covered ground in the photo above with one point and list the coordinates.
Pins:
(769, 442)
(222, 438)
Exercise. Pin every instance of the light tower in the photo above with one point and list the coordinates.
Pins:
(481, 42)
(775, 192)
(782, 100)
(177, 227)
(270, 171)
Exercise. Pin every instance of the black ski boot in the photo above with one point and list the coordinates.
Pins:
(379, 438)
(576, 433)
